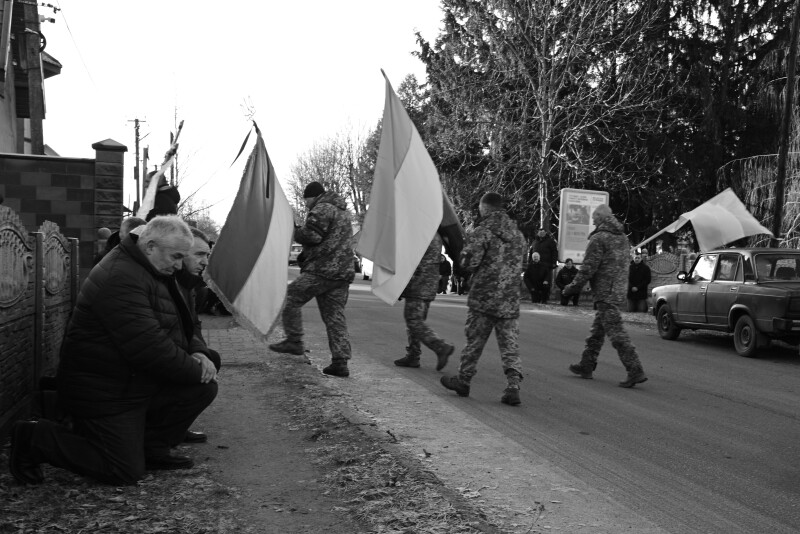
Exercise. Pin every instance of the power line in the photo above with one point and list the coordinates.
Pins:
(75, 43)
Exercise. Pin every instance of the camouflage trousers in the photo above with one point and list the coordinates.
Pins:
(478, 329)
(416, 313)
(608, 322)
(331, 298)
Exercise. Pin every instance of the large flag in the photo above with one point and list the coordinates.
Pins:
(248, 268)
(717, 222)
(406, 203)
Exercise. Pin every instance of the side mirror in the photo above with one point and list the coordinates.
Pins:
(683, 276)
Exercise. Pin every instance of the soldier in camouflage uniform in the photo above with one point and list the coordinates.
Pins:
(493, 254)
(326, 270)
(605, 264)
(418, 294)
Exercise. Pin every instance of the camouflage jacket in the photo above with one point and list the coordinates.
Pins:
(326, 238)
(424, 283)
(493, 255)
(605, 263)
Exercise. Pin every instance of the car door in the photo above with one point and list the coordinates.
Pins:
(691, 306)
(723, 290)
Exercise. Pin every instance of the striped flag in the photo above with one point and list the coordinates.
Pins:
(248, 268)
(406, 203)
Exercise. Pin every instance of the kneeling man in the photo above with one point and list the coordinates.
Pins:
(132, 376)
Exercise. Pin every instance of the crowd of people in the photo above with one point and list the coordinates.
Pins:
(135, 371)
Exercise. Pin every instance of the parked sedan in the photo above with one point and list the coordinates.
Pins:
(753, 293)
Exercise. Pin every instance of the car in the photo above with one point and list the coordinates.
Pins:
(753, 293)
(294, 252)
(366, 268)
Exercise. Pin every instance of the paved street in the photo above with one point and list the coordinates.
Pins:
(709, 444)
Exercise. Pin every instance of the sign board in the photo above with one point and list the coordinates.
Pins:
(575, 223)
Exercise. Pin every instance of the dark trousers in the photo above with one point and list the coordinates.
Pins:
(113, 448)
(574, 298)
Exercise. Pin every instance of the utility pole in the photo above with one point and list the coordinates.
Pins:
(788, 112)
(136, 174)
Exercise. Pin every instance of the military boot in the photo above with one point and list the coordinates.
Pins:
(635, 376)
(443, 354)
(288, 347)
(409, 360)
(337, 368)
(454, 384)
(511, 396)
(583, 369)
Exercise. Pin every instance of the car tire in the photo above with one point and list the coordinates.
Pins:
(667, 328)
(746, 337)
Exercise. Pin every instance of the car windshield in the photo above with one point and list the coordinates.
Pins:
(777, 267)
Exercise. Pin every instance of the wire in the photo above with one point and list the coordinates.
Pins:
(75, 43)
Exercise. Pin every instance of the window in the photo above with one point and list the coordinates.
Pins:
(728, 268)
(703, 269)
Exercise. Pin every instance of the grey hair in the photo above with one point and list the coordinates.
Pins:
(163, 228)
(129, 224)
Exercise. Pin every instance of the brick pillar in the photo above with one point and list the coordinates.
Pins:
(108, 171)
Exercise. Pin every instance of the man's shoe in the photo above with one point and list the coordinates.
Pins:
(407, 361)
(194, 437)
(21, 463)
(511, 397)
(581, 371)
(454, 384)
(337, 369)
(168, 463)
(443, 354)
(633, 378)
(288, 347)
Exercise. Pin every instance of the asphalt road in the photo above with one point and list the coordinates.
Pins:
(709, 444)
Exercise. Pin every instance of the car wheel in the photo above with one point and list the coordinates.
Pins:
(667, 328)
(746, 337)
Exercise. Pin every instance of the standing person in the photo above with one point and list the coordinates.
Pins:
(547, 248)
(605, 265)
(326, 270)
(132, 375)
(166, 200)
(493, 254)
(564, 278)
(418, 294)
(537, 279)
(638, 280)
(444, 274)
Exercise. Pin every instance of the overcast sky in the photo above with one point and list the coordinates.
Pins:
(308, 67)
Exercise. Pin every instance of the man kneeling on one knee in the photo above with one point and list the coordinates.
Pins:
(132, 376)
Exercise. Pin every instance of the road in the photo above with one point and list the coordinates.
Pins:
(709, 444)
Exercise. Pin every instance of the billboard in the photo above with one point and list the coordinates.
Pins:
(575, 223)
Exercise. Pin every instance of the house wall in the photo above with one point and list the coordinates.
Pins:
(79, 195)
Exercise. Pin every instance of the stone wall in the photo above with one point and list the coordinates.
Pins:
(38, 288)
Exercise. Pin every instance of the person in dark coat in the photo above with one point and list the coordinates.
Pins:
(564, 278)
(167, 199)
(537, 279)
(116, 238)
(638, 280)
(444, 273)
(132, 374)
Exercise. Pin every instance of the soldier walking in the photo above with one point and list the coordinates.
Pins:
(605, 264)
(326, 270)
(493, 254)
(418, 294)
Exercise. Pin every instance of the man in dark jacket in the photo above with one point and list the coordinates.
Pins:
(605, 266)
(547, 248)
(493, 254)
(537, 279)
(564, 278)
(638, 280)
(132, 375)
(444, 274)
(418, 294)
(326, 270)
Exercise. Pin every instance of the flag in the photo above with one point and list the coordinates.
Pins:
(406, 203)
(717, 222)
(248, 268)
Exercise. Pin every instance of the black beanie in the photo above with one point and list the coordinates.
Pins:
(314, 189)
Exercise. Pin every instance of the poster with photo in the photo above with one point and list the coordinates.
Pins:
(575, 221)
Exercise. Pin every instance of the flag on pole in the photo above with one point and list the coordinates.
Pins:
(717, 222)
(406, 203)
(248, 268)
(149, 198)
